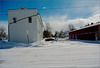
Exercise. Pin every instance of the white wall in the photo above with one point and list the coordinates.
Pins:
(22, 30)
(39, 30)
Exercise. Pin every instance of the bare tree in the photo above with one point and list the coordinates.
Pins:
(71, 27)
(48, 30)
(2, 32)
(47, 27)
(61, 34)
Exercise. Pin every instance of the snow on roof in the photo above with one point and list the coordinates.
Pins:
(90, 25)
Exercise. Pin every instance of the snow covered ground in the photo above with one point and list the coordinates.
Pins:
(60, 54)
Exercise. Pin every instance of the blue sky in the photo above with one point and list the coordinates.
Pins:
(56, 12)
(67, 7)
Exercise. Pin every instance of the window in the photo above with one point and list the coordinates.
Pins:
(14, 20)
(30, 20)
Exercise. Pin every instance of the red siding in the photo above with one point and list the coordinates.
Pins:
(99, 31)
(86, 33)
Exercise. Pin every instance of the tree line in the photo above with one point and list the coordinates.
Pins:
(49, 33)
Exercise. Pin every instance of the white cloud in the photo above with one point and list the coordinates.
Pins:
(43, 7)
(94, 18)
(95, 10)
(5, 25)
(59, 23)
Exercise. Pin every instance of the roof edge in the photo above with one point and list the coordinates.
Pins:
(22, 8)
(87, 27)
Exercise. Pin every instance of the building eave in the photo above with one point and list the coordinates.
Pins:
(95, 24)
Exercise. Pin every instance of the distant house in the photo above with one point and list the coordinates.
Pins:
(65, 34)
(24, 25)
(90, 32)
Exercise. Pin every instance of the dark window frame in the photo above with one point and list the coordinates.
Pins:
(14, 19)
(30, 19)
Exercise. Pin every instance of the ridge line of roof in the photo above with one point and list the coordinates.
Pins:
(87, 27)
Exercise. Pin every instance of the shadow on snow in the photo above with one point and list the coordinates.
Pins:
(85, 41)
(8, 45)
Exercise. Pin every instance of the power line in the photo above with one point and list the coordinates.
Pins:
(92, 13)
(66, 8)
(58, 8)
(85, 15)
(24, 18)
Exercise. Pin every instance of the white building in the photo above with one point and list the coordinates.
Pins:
(24, 25)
